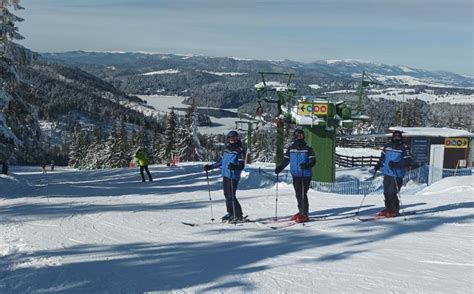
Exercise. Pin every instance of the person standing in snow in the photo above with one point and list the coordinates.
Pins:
(43, 167)
(395, 159)
(5, 167)
(142, 161)
(301, 158)
(52, 165)
(232, 163)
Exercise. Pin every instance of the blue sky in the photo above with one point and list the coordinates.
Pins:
(427, 34)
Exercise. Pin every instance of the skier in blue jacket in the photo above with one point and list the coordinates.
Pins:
(395, 159)
(232, 163)
(301, 158)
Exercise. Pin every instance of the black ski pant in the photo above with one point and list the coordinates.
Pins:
(301, 185)
(230, 187)
(145, 167)
(391, 188)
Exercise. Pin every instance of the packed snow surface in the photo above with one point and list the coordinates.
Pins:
(104, 231)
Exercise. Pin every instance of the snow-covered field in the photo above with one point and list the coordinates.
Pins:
(105, 231)
(221, 125)
(397, 94)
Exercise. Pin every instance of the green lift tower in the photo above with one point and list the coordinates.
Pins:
(319, 117)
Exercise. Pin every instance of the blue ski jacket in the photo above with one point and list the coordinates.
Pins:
(399, 155)
(301, 158)
(232, 161)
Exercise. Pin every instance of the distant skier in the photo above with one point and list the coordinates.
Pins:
(142, 161)
(395, 159)
(5, 167)
(301, 158)
(43, 167)
(232, 163)
(52, 165)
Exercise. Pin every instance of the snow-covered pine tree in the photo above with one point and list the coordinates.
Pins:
(96, 152)
(155, 147)
(119, 152)
(264, 147)
(112, 148)
(188, 145)
(168, 147)
(8, 30)
(124, 150)
(79, 149)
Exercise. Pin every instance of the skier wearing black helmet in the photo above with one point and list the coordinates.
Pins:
(301, 158)
(232, 163)
(395, 159)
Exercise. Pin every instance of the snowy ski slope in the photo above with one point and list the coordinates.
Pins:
(104, 231)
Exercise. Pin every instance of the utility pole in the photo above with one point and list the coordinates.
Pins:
(403, 101)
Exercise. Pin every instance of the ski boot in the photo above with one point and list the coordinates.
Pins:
(302, 218)
(226, 218)
(237, 219)
(392, 213)
(383, 212)
(295, 216)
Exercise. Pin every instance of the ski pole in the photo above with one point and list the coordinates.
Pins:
(365, 195)
(276, 199)
(210, 199)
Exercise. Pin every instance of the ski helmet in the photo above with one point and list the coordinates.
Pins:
(397, 136)
(297, 133)
(233, 134)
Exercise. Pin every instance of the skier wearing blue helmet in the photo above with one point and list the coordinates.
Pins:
(301, 158)
(395, 158)
(232, 163)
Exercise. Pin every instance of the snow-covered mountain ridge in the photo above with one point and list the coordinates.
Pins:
(346, 69)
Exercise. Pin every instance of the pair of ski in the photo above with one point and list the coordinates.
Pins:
(380, 217)
(269, 223)
(245, 219)
(276, 224)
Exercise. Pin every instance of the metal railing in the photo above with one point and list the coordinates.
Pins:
(425, 175)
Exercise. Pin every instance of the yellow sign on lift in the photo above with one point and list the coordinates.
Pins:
(307, 109)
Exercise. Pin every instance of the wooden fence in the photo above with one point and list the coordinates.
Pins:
(355, 143)
(351, 161)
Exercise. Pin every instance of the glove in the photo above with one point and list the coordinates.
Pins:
(233, 166)
(278, 170)
(376, 168)
(392, 164)
(207, 167)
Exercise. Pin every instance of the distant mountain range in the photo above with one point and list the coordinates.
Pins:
(120, 64)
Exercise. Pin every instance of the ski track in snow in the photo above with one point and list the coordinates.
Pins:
(105, 231)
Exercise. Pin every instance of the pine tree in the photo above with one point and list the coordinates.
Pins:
(188, 145)
(264, 147)
(155, 147)
(118, 148)
(96, 152)
(8, 30)
(79, 149)
(168, 147)
(112, 148)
